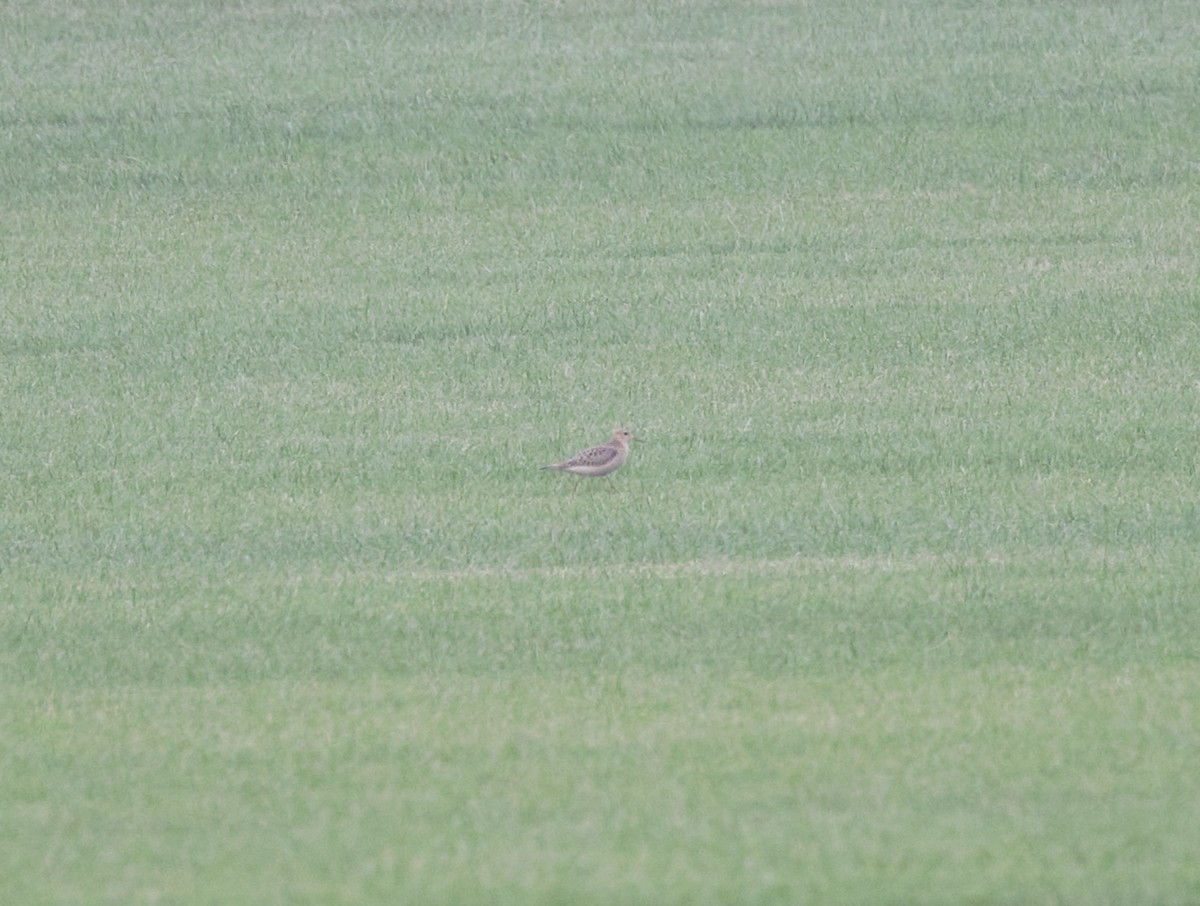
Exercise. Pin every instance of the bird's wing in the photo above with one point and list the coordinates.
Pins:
(595, 456)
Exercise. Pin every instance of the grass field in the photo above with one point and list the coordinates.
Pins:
(897, 603)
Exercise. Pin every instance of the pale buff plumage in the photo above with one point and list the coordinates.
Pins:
(599, 461)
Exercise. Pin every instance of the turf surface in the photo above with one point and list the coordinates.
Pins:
(897, 602)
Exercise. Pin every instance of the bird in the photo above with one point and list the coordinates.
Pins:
(599, 461)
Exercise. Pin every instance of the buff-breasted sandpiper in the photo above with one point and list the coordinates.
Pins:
(599, 461)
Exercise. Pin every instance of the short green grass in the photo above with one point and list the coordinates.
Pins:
(897, 601)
